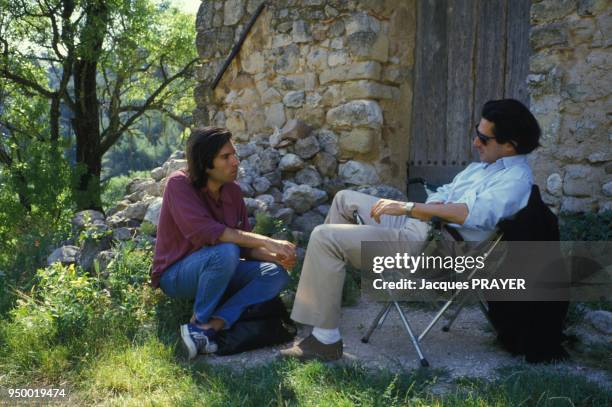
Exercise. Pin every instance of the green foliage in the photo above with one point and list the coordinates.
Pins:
(268, 226)
(142, 58)
(115, 188)
(586, 227)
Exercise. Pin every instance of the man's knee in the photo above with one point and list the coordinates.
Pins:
(227, 255)
(275, 275)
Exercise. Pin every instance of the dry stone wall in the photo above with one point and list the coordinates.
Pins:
(318, 98)
(571, 89)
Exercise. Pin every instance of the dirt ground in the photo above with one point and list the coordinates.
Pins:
(468, 349)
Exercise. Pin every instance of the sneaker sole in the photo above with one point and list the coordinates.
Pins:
(188, 346)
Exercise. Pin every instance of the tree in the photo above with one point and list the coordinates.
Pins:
(110, 63)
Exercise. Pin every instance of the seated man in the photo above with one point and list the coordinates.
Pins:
(203, 236)
(474, 202)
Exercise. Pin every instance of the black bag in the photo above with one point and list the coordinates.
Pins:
(260, 325)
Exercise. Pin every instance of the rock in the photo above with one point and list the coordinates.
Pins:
(286, 59)
(307, 147)
(362, 22)
(291, 162)
(607, 188)
(317, 59)
(308, 221)
(308, 176)
(546, 11)
(90, 249)
(358, 173)
(245, 150)
(275, 115)
(157, 173)
(82, 219)
(369, 45)
(265, 202)
(601, 320)
(357, 70)
(271, 95)
(367, 90)
(337, 58)
(153, 211)
(65, 255)
(301, 32)
(173, 165)
(136, 211)
(288, 184)
(261, 184)
(275, 177)
(323, 209)
(268, 160)
(578, 180)
(253, 63)
(554, 184)
(384, 191)
(333, 186)
(300, 198)
(576, 205)
(295, 129)
(549, 35)
(285, 214)
(104, 258)
(294, 98)
(359, 140)
(327, 140)
(365, 113)
(336, 29)
(233, 11)
(326, 164)
(122, 234)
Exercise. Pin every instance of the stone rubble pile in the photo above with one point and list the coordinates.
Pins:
(292, 183)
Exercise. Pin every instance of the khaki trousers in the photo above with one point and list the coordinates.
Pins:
(338, 242)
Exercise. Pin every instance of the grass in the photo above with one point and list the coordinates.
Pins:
(112, 341)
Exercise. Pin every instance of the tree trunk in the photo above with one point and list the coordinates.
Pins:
(86, 121)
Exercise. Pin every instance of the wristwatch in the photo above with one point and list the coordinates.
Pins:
(409, 206)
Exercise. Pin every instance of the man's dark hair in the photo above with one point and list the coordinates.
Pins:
(202, 146)
(513, 122)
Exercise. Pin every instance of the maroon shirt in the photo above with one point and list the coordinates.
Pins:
(191, 219)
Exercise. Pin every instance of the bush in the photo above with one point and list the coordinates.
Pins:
(586, 227)
(114, 189)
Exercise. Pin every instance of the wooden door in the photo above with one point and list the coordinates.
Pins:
(467, 52)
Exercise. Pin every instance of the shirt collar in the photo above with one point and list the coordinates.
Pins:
(224, 192)
(507, 162)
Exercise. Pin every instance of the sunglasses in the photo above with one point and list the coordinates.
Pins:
(482, 137)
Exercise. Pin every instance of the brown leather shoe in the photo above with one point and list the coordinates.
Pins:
(310, 348)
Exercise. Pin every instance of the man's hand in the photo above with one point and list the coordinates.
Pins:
(283, 251)
(387, 207)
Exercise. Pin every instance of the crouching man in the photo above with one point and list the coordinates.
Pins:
(474, 202)
(205, 250)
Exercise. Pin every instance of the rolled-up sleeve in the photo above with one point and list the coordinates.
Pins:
(190, 215)
(499, 200)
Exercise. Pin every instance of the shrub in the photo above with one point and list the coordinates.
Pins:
(586, 227)
(114, 189)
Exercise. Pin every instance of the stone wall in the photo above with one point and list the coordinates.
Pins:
(318, 97)
(571, 86)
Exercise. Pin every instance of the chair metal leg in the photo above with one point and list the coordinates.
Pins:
(458, 310)
(414, 340)
(378, 321)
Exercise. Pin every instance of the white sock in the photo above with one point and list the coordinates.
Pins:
(326, 336)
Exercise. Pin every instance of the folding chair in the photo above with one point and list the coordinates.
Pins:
(460, 296)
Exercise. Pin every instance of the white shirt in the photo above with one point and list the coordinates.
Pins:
(492, 192)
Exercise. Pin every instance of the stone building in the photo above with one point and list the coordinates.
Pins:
(328, 94)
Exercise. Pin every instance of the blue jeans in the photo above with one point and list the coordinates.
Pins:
(214, 273)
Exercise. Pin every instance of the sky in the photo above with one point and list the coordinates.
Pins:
(188, 6)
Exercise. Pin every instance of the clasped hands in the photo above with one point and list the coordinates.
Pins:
(283, 252)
